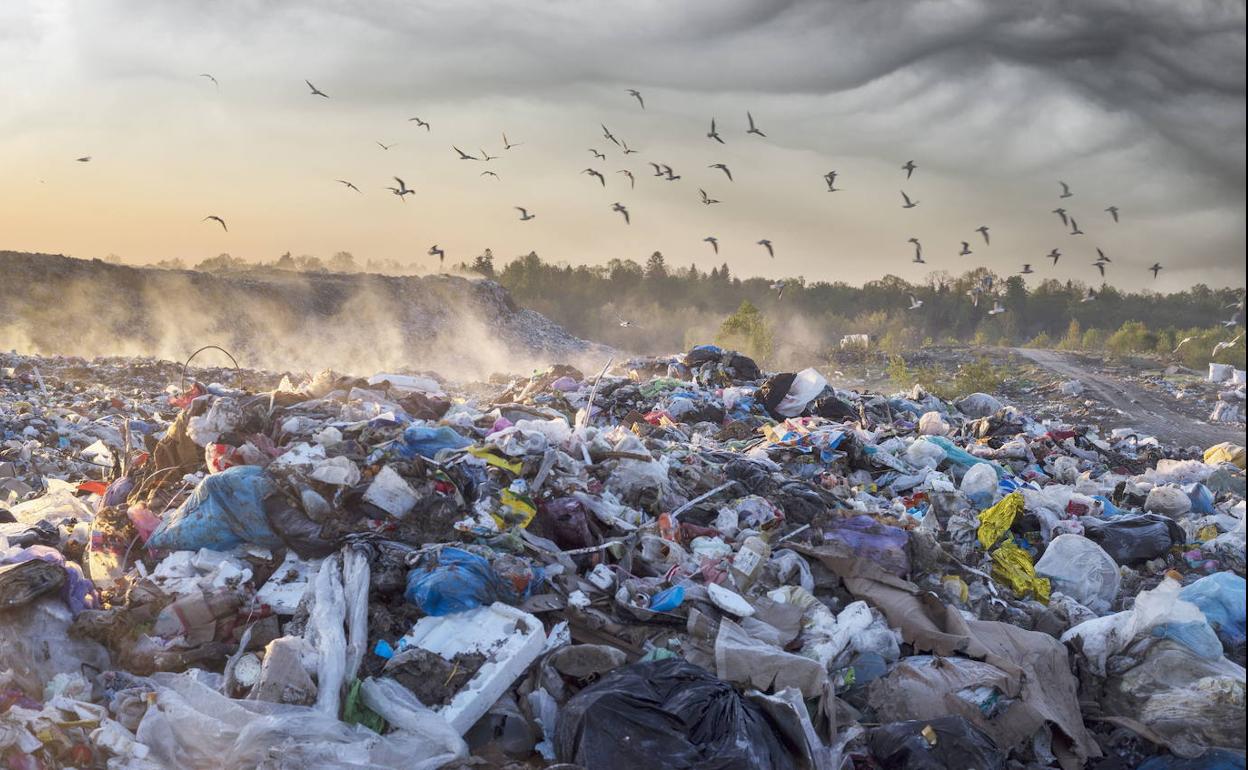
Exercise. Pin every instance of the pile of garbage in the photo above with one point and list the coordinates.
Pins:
(679, 561)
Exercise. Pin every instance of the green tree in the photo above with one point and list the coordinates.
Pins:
(747, 331)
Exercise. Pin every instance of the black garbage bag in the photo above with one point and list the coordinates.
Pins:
(954, 742)
(773, 391)
(1134, 539)
(670, 714)
(833, 407)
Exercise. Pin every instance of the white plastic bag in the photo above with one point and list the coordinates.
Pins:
(806, 386)
(326, 636)
(1081, 569)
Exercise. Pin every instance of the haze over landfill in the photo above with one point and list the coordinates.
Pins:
(1137, 106)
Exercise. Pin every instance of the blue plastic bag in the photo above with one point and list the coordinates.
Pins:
(871, 540)
(1201, 497)
(454, 580)
(225, 510)
(427, 441)
(956, 455)
(1221, 597)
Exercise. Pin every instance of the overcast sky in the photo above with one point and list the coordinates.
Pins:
(1137, 104)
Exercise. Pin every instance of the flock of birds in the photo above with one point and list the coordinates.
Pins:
(982, 291)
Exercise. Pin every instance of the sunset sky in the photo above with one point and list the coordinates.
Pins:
(1138, 105)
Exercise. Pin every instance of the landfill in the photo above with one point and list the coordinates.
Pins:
(679, 561)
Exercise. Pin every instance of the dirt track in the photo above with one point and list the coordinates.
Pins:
(1143, 411)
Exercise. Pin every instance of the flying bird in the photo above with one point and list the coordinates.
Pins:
(401, 190)
(592, 172)
(1182, 342)
(606, 134)
(210, 77)
(778, 288)
(1088, 295)
(1066, 193)
(909, 168)
(632, 181)
(623, 211)
(974, 293)
(909, 204)
(598, 155)
(1062, 213)
(508, 145)
(84, 159)
(627, 150)
(216, 219)
(491, 173)
(1113, 212)
(1054, 255)
(714, 134)
(918, 250)
(347, 184)
(1156, 268)
(830, 178)
(637, 95)
(419, 123)
(1100, 266)
(1100, 256)
(671, 177)
(722, 168)
(1026, 269)
(434, 251)
(316, 91)
(997, 308)
(384, 146)
(463, 155)
(1074, 227)
(525, 216)
(1218, 348)
(915, 302)
(983, 230)
(488, 157)
(767, 245)
(966, 249)
(625, 324)
(706, 199)
(753, 128)
(713, 241)
(658, 169)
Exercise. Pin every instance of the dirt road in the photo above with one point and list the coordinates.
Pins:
(1143, 411)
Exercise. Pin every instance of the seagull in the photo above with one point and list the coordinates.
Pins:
(345, 183)
(1156, 268)
(830, 178)
(210, 77)
(997, 307)
(1100, 266)
(508, 145)
(463, 155)
(713, 241)
(316, 91)
(627, 150)
(966, 249)
(1062, 213)
(1066, 193)
(606, 134)
(525, 216)
(1089, 295)
(1074, 227)
(620, 208)
(1183, 342)
(624, 324)
(84, 159)
(384, 146)
(1113, 212)
(401, 190)
(765, 244)
(1026, 269)
(434, 251)
(909, 204)
(658, 169)
(974, 293)
(488, 157)
(1218, 348)
(722, 168)
(753, 128)
(983, 230)
(419, 123)
(1100, 256)
(915, 302)
(918, 250)
(714, 134)
(778, 287)
(491, 173)
(909, 168)
(670, 176)
(598, 155)
(1054, 255)
(632, 182)
(637, 95)
(592, 172)
(706, 199)
(217, 219)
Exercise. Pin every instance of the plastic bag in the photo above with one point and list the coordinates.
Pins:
(1130, 540)
(427, 441)
(325, 635)
(807, 384)
(871, 540)
(225, 510)
(1012, 565)
(1168, 501)
(1226, 452)
(979, 484)
(953, 742)
(978, 405)
(1220, 597)
(1081, 569)
(669, 712)
(997, 520)
(454, 580)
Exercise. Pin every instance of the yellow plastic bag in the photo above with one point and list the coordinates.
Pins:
(997, 520)
(1012, 565)
(518, 510)
(515, 466)
(1226, 452)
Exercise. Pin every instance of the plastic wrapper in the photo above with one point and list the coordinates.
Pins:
(325, 635)
(672, 712)
(1080, 568)
(869, 539)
